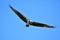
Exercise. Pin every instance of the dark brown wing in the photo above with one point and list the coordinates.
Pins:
(19, 14)
(41, 25)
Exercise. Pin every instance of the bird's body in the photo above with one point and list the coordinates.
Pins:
(29, 22)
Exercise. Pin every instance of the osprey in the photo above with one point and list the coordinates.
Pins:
(29, 22)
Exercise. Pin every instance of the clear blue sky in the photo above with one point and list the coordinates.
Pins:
(45, 11)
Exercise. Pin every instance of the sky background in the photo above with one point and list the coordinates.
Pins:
(45, 11)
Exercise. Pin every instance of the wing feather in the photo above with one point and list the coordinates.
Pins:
(19, 14)
(41, 25)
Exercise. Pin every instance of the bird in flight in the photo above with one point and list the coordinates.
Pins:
(29, 22)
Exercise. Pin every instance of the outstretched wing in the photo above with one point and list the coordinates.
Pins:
(41, 25)
(19, 14)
